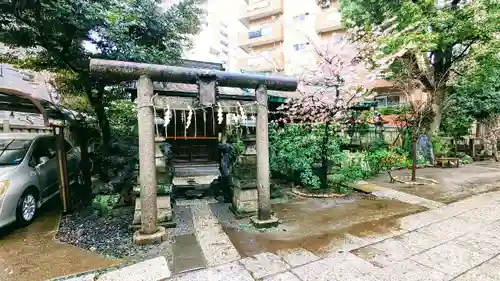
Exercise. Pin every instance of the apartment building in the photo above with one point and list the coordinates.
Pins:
(277, 31)
(280, 35)
(217, 40)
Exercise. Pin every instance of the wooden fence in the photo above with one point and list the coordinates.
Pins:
(391, 135)
(6, 127)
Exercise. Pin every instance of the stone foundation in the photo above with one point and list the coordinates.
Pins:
(245, 201)
(163, 208)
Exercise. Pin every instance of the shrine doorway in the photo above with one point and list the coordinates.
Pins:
(196, 144)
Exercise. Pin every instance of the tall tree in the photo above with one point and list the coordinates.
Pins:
(57, 31)
(476, 96)
(438, 38)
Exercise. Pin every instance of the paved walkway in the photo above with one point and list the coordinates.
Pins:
(459, 242)
(33, 253)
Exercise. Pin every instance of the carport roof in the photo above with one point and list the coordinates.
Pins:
(15, 100)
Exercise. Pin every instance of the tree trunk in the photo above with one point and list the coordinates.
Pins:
(102, 119)
(324, 158)
(437, 109)
(494, 148)
(436, 120)
(414, 157)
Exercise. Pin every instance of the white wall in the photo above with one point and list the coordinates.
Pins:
(295, 33)
(221, 18)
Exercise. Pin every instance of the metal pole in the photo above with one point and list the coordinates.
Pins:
(6, 126)
(147, 171)
(263, 155)
(62, 168)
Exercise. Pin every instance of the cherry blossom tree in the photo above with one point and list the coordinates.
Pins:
(416, 113)
(326, 90)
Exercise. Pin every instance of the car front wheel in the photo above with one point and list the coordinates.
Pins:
(26, 207)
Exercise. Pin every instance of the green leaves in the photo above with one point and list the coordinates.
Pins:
(296, 151)
(125, 30)
(476, 92)
(140, 31)
(58, 34)
(440, 42)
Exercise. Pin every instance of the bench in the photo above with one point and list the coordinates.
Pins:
(448, 162)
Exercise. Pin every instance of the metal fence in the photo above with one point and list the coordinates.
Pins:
(7, 127)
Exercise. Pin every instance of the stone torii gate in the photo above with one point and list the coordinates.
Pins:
(208, 80)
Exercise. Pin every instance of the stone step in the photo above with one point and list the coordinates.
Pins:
(187, 254)
(216, 245)
(195, 171)
(194, 181)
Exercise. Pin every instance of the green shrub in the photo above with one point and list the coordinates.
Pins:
(440, 145)
(464, 158)
(103, 204)
(296, 152)
(384, 160)
(391, 110)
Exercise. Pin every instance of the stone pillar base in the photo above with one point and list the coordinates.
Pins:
(245, 202)
(271, 222)
(147, 239)
(164, 209)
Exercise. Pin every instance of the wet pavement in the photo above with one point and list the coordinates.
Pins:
(32, 253)
(454, 184)
(208, 238)
(318, 225)
(455, 242)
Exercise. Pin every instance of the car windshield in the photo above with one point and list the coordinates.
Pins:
(13, 151)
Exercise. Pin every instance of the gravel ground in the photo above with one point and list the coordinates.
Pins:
(109, 236)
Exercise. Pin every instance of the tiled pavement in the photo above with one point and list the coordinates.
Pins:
(459, 242)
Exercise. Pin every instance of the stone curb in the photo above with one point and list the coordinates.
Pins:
(323, 195)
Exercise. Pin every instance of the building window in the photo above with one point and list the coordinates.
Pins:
(300, 46)
(388, 100)
(256, 33)
(223, 33)
(301, 17)
(224, 43)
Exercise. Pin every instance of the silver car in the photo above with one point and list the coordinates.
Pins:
(29, 174)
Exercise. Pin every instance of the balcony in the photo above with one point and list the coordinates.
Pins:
(328, 20)
(266, 61)
(267, 34)
(258, 9)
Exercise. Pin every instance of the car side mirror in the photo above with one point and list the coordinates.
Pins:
(42, 161)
